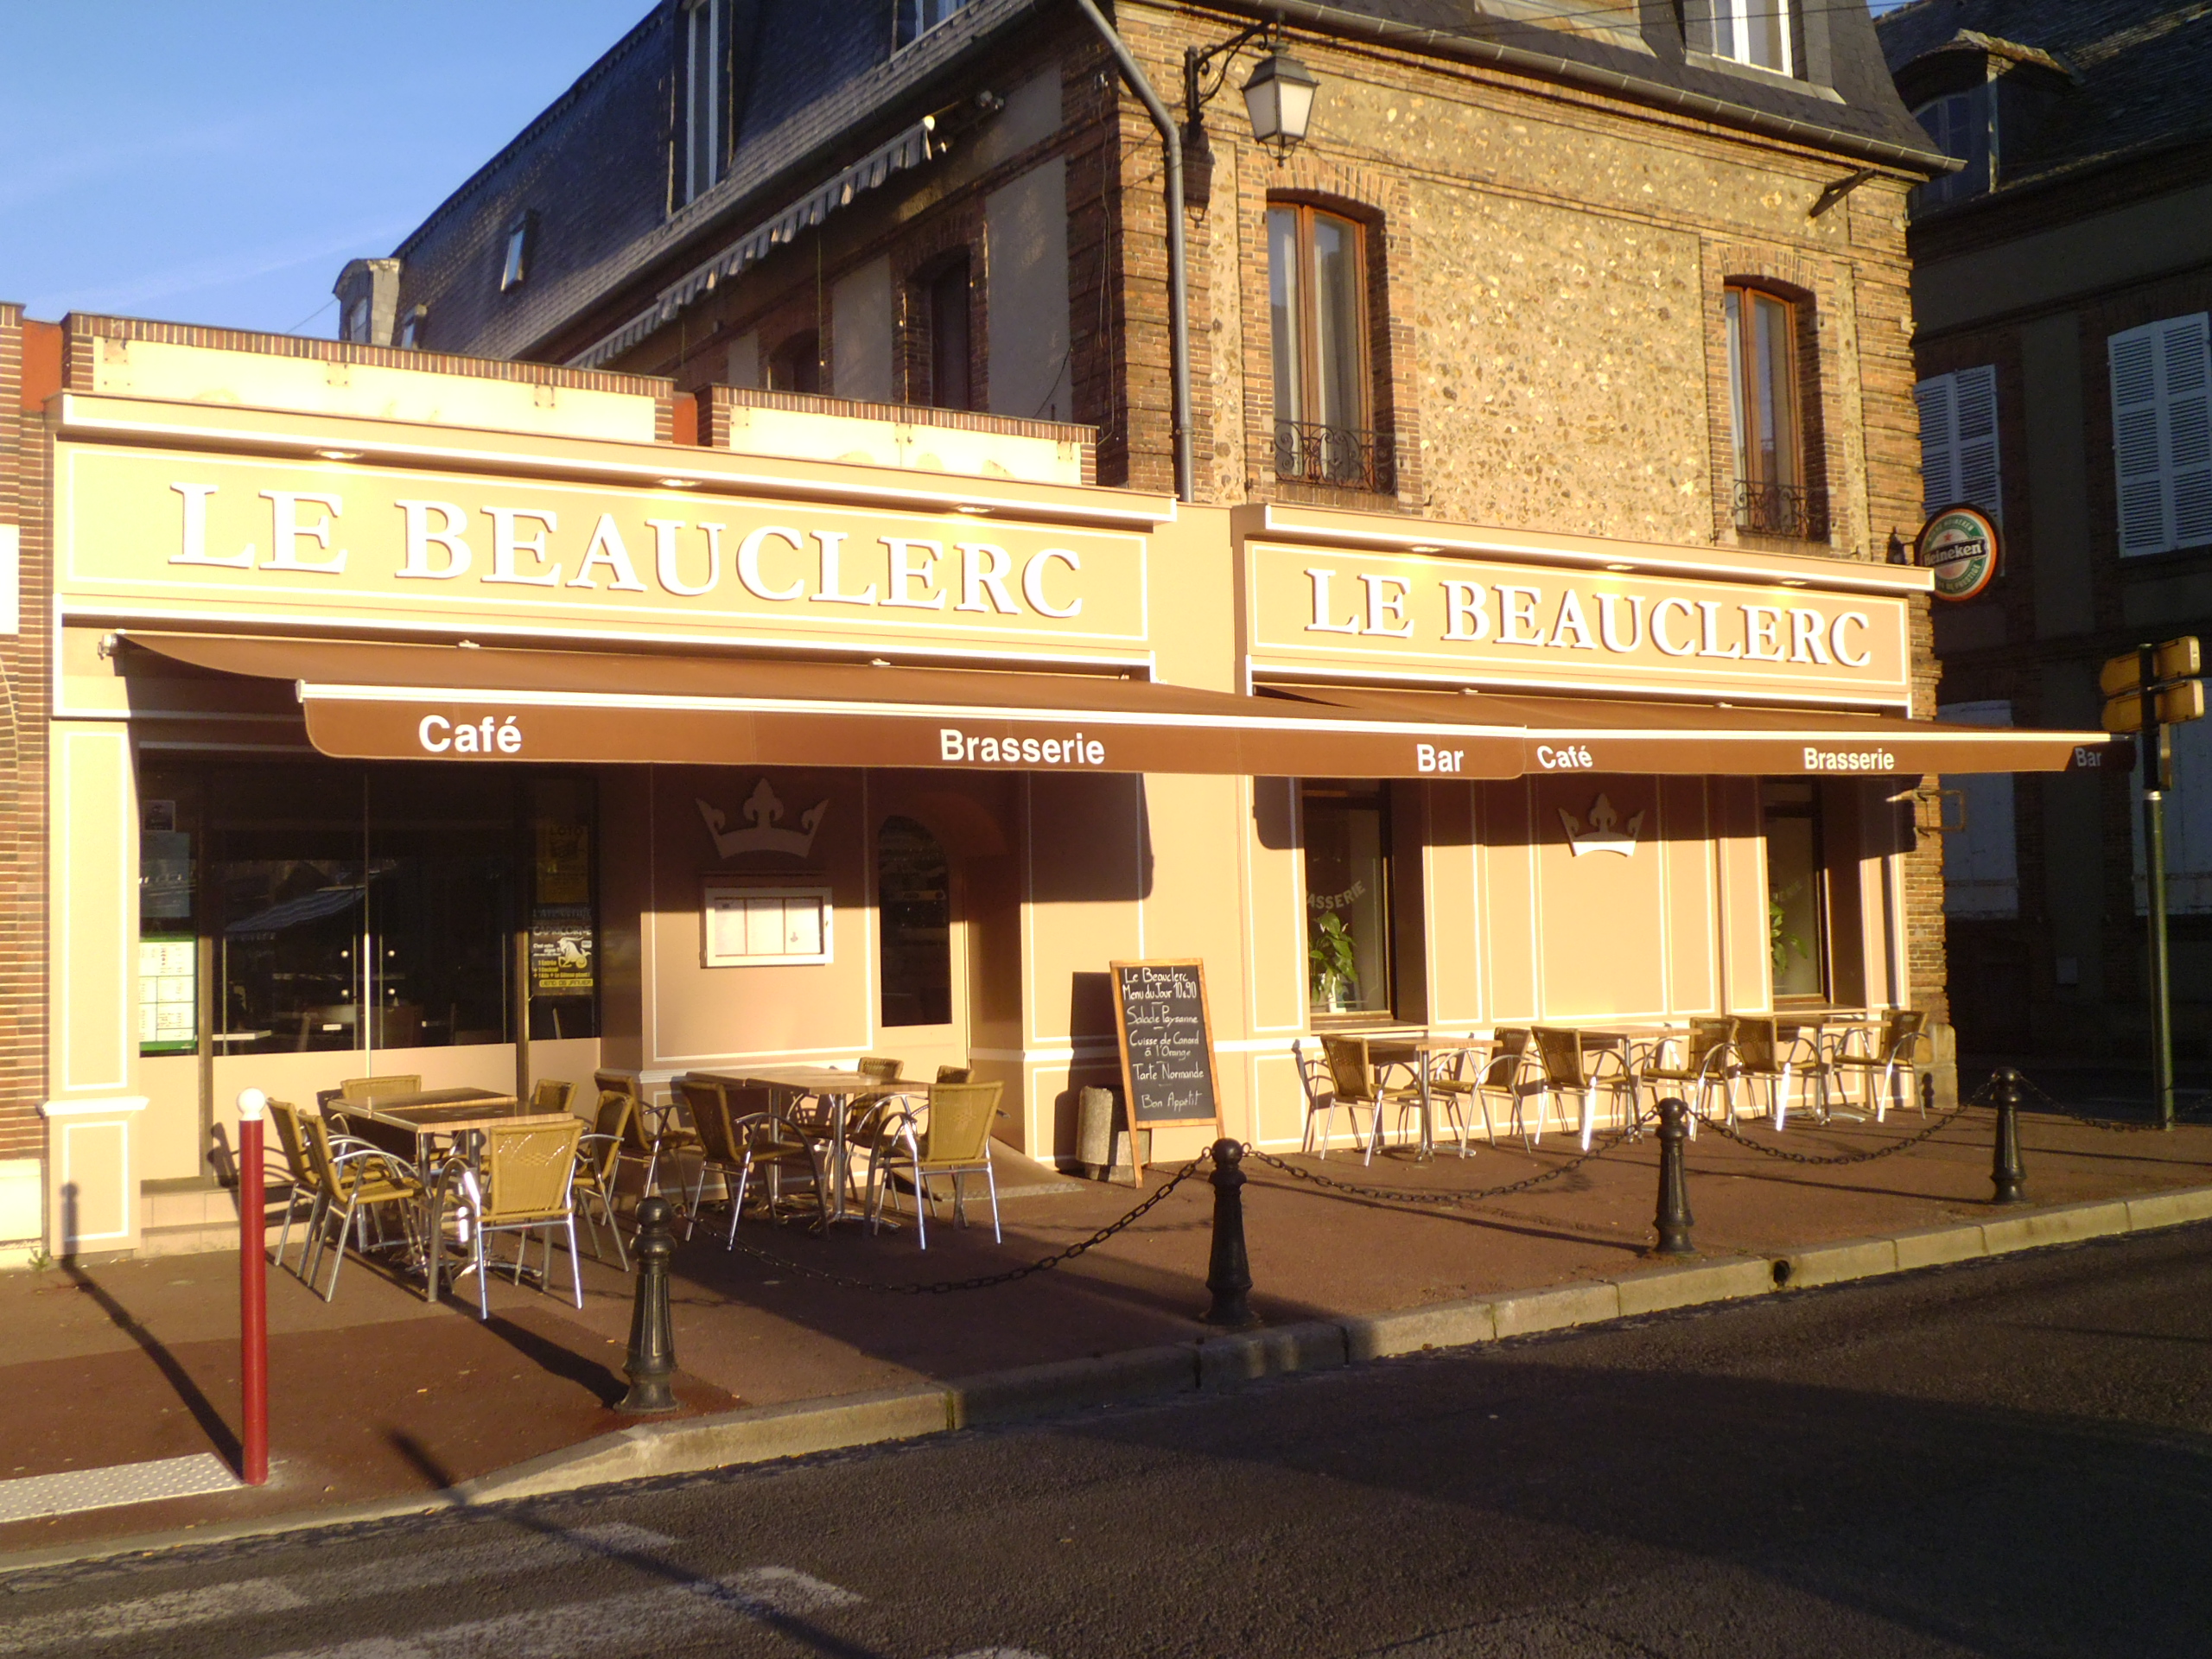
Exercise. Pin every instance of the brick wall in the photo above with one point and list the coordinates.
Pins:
(29, 372)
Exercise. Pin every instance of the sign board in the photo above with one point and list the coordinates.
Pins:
(1960, 546)
(1166, 1038)
(168, 993)
(1508, 622)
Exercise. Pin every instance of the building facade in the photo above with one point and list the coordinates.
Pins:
(2061, 282)
(728, 598)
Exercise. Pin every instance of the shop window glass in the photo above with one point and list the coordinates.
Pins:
(1317, 308)
(913, 897)
(342, 907)
(1796, 923)
(796, 365)
(1347, 898)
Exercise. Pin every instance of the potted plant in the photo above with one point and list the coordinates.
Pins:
(1335, 970)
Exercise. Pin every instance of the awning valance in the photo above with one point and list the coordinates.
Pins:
(390, 702)
(365, 700)
(1604, 734)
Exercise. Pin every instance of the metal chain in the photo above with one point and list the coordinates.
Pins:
(1720, 1126)
(946, 1286)
(1391, 1195)
(2116, 1125)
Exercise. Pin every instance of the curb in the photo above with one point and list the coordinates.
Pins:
(1211, 1364)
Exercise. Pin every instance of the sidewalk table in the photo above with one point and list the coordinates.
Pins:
(430, 1117)
(1420, 1053)
(837, 1090)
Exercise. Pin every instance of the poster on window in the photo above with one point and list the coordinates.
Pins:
(168, 993)
(561, 951)
(563, 863)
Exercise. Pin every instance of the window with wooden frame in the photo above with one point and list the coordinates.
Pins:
(1323, 383)
(706, 89)
(1766, 417)
(1350, 951)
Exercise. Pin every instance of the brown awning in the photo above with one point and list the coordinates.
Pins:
(380, 702)
(1593, 735)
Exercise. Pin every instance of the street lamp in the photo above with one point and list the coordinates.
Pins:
(1279, 97)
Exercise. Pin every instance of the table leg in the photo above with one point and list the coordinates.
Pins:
(1427, 1117)
(840, 1159)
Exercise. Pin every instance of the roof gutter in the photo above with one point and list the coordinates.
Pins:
(1179, 305)
(1467, 49)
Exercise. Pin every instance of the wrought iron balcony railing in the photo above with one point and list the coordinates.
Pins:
(1343, 457)
(1781, 510)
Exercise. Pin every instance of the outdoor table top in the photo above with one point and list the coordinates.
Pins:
(817, 1080)
(450, 1111)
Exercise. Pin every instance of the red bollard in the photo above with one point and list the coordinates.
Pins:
(253, 1293)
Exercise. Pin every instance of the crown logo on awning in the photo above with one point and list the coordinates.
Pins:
(1605, 832)
(763, 812)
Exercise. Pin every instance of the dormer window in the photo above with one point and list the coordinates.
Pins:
(916, 18)
(514, 270)
(1756, 32)
(706, 85)
(1964, 125)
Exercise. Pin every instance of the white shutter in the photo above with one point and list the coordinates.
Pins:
(1982, 865)
(2187, 370)
(1938, 443)
(1974, 406)
(2162, 435)
(2188, 824)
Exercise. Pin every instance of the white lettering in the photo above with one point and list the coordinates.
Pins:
(1386, 607)
(983, 566)
(1835, 640)
(748, 562)
(1428, 757)
(1565, 757)
(899, 590)
(510, 736)
(1806, 645)
(949, 746)
(194, 550)
(505, 544)
(1320, 624)
(1605, 629)
(1709, 628)
(830, 591)
(284, 550)
(1852, 761)
(1463, 604)
(665, 567)
(420, 536)
(1570, 616)
(441, 742)
(1424, 756)
(1033, 583)
(1032, 751)
(464, 740)
(1763, 634)
(606, 548)
(1513, 619)
(1659, 634)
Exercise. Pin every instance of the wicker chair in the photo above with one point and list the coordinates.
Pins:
(1357, 1081)
(551, 1095)
(645, 1140)
(356, 1178)
(1763, 1051)
(599, 1162)
(1895, 1054)
(523, 1183)
(360, 1092)
(956, 1074)
(953, 1140)
(1708, 1063)
(299, 1177)
(1573, 1068)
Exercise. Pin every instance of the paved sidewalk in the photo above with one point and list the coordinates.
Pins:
(382, 1397)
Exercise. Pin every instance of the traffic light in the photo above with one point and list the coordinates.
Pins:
(2177, 695)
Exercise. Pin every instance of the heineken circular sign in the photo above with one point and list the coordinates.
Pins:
(1960, 546)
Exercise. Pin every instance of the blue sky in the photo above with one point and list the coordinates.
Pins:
(217, 161)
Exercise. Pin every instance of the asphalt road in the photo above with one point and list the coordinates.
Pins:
(2011, 1458)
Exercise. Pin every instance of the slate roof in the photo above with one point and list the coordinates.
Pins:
(2142, 73)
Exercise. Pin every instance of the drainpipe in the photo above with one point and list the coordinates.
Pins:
(1179, 310)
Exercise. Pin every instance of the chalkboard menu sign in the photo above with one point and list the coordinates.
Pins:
(1160, 1012)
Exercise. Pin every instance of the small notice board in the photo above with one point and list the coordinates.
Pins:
(1166, 1038)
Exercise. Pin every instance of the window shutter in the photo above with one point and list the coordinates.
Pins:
(1938, 443)
(1981, 866)
(2187, 372)
(1974, 407)
(2162, 435)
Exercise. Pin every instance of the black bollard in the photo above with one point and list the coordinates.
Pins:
(1229, 1271)
(1675, 1218)
(652, 1359)
(2006, 1174)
